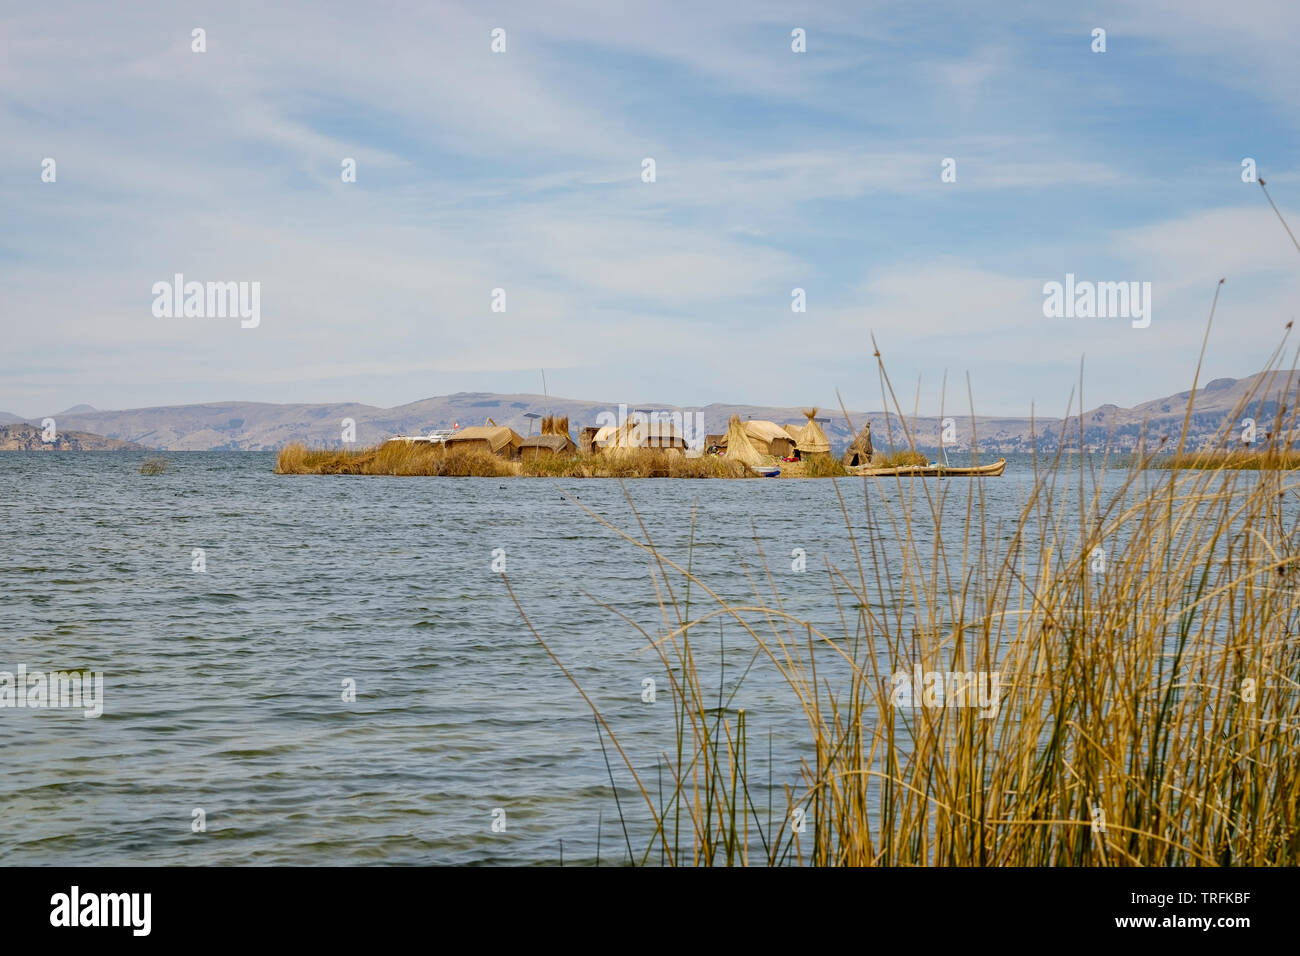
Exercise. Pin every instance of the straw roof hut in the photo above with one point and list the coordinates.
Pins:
(659, 434)
(770, 438)
(616, 439)
(535, 446)
(809, 439)
(587, 439)
(859, 450)
(635, 433)
(739, 446)
(496, 439)
(554, 439)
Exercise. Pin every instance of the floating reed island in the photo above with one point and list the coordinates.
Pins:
(635, 448)
(1265, 458)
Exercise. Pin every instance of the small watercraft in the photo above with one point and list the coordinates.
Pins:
(767, 471)
(936, 470)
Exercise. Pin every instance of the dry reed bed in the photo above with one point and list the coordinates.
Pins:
(402, 458)
(1150, 702)
(899, 459)
(392, 458)
(1233, 459)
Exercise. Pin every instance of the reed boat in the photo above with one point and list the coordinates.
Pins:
(934, 470)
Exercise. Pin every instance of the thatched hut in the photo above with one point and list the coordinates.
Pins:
(554, 439)
(739, 446)
(496, 439)
(659, 434)
(809, 439)
(535, 446)
(587, 440)
(770, 438)
(615, 439)
(636, 433)
(859, 450)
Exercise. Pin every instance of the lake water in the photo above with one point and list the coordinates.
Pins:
(224, 689)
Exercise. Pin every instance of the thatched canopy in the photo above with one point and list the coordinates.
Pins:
(658, 434)
(617, 439)
(494, 438)
(770, 438)
(739, 446)
(859, 450)
(636, 433)
(535, 445)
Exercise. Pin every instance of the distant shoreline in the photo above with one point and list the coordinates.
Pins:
(25, 437)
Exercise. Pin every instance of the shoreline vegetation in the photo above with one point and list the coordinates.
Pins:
(1119, 678)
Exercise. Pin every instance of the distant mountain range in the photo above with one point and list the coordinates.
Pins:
(257, 426)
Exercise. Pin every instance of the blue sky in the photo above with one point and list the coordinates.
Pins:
(521, 170)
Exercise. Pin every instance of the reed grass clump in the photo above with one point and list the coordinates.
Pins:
(153, 466)
(634, 463)
(903, 457)
(1142, 629)
(393, 458)
(818, 466)
(556, 466)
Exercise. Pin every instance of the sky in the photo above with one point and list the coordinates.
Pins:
(522, 170)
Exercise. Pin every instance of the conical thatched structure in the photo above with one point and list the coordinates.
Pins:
(809, 439)
(859, 450)
(739, 446)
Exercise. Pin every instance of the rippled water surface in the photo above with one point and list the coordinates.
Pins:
(223, 689)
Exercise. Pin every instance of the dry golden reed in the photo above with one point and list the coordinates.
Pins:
(420, 458)
(898, 459)
(393, 458)
(1232, 459)
(1143, 625)
(814, 466)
